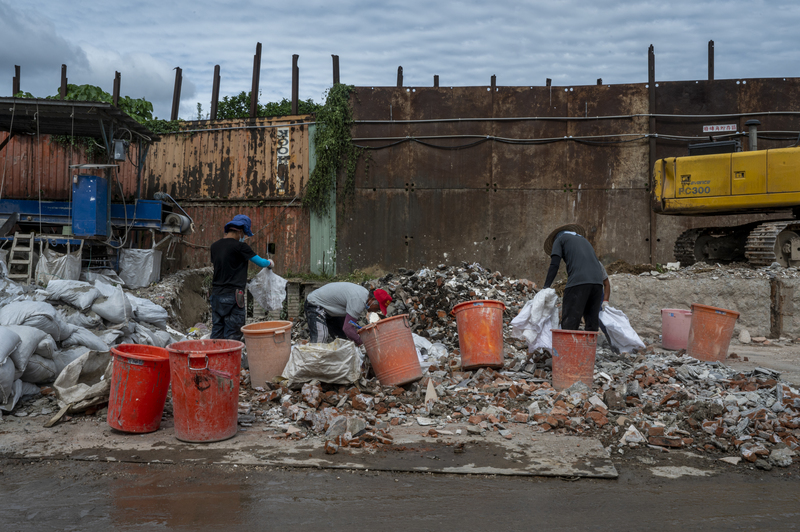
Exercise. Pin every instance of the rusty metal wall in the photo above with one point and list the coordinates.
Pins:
(231, 159)
(285, 224)
(30, 163)
(495, 202)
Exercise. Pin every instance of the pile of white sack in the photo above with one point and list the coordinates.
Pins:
(42, 331)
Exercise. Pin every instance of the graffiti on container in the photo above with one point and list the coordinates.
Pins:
(282, 159)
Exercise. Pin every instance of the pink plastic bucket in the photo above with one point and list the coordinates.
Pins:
(675, 324)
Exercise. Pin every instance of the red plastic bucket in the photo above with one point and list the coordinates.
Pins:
(480, 333)
(269, 344)
(391, 351)
(205, 389)
(710, 332)
(573, 357)
(675, 324)
(139, 386)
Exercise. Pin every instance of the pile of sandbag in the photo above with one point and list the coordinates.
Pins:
(44, 331)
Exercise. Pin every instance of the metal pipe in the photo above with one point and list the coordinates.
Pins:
(256, 81)
(176, 94)
(651, 85)
(436, 80)
(63, 92)
(117, 82)
(399, 76)
(752, 132)
(215, 93)
(295, 83)
(15, 81)
(710, 60)
(335, 69)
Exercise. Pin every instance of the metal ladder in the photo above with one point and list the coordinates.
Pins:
(13, 260)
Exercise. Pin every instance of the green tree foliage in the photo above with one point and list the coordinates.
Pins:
(239, 107)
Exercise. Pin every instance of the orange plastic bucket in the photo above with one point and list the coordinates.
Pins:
(391, 351)
(675, 324)
(480, 333)
(269, 344)
(710, 332)
(139, 386)
(205, 389)
(573, 357)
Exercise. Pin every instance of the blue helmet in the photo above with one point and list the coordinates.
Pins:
(240, 221)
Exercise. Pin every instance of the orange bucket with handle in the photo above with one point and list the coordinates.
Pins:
(480, 333)
(391, 351)
(139, 386)
(205, 389)
(710, 332)
(269, 344)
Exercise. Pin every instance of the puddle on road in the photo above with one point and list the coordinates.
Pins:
(71, 495)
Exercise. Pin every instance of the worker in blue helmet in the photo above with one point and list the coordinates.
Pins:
(230, 256)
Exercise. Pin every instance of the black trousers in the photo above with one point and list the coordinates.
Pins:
(582, 301)
(322, 327)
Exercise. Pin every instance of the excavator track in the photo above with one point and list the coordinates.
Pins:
(684, 246)
(760, 249)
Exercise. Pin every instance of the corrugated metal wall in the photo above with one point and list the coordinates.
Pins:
(496, 201)
(28, 164)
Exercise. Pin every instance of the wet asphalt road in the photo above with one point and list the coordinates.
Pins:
(70, 495)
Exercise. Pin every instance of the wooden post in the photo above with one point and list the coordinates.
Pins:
(215, 93)
(436, 80)
(399, 76)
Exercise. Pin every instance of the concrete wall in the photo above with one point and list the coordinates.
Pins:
(641, 298)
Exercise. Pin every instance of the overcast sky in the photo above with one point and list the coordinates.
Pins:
(573, 42)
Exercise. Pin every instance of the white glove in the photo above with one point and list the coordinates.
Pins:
(605, 305)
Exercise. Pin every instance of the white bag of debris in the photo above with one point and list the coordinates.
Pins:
(39, 369)
(147, 311)
(112, 305)
(47, 347)
(29, 341)
(54, 266)
(139, 268)
(338, 362)
(148, 336)
(86, 319)
(620, 331)
(105, 275)
(36, 314)
(9, 341)
(64, 357)
(535, 321)
(428, 353)
(7, 371)
(85, 382)
(3, 263)
(79, 294)
(268, 289)
(9, 393)
(85, 338)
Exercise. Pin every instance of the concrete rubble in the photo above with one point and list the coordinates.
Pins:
(654, 400)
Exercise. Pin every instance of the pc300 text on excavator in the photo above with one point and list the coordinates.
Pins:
(736, 182)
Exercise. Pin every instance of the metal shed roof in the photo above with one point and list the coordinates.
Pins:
(59, 117)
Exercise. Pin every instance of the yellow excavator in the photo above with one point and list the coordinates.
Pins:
(733, 182)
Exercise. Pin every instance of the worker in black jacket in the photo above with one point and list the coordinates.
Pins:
(586, 277)
(230, 256)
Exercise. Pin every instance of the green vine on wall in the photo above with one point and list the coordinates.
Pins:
(334, 149)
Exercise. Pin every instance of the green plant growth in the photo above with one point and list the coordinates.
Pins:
(239, 107)
(334, 149)
(137, 108)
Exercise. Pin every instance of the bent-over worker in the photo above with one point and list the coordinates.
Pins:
(586, 277)
(333, 310)
(230, 256)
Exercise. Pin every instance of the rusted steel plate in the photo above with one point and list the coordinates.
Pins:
(287, 227)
